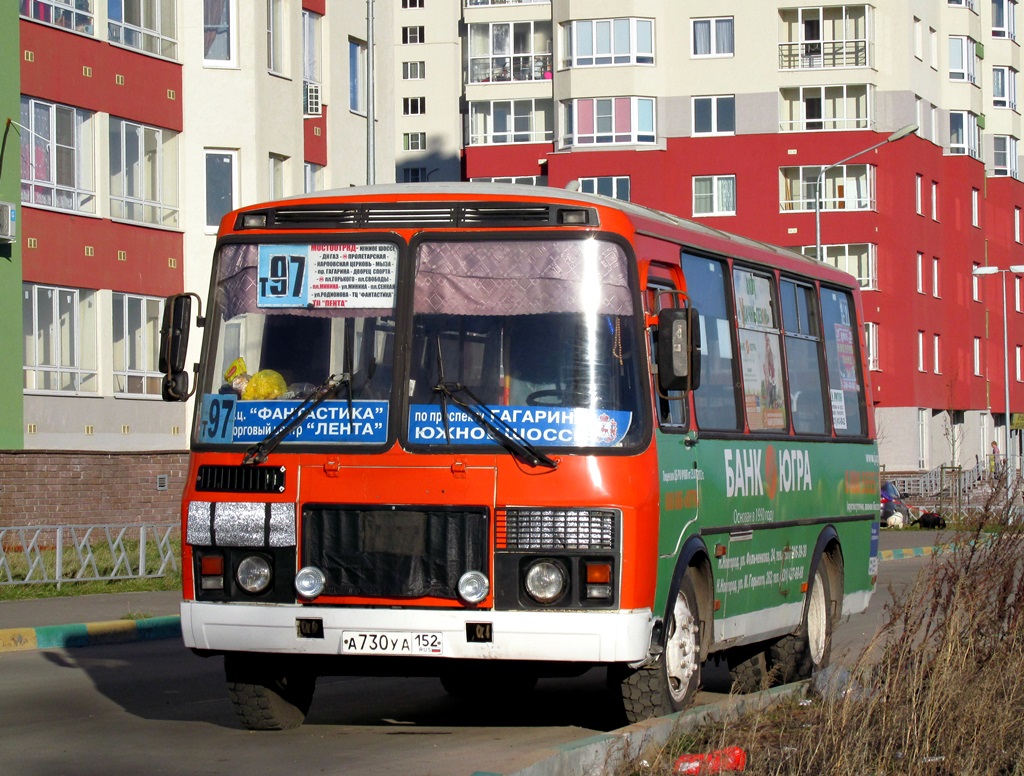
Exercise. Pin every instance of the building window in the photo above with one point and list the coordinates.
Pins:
(1004, 156)
(414, 141)
(357, 76)
(510, 121)
(136, 340)
(146, 25)
(312, 177)
(963, 59)
(858, 259)
(714, 115)
(920, 272)
(1004, 21)
(816, 37)
(935, 277)
(977, 356)
(918, 195)
(413, 175)
(975, 284)
(920, 352)
(1004, 87)
(509, 51)
(59, 335)
(918, 39)
(1018, 299)
(596, 42)
(221, 185)
(218, 33)
(936, 363)
(414, 71)
(412, 3)
(1016, 225)
(276, 164)
(871, 343)
(59, 13)
(523, 180)
(975, 208)
(58, 156)
(414, 106)
(811, 108)
(311, 47)
(714, 195)
(1019, 365)
(411, 35)
(610, 120)
(963, 133)
(143, 173)
(935, 201)
(712, 37)
(845, 187)
(616, 186)
(275, 36)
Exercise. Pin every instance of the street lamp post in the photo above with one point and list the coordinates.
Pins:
(1016, 269)
(899, 134)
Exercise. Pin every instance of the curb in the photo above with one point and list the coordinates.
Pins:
(90, 634)
(915, 552)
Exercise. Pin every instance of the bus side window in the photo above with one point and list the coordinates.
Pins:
(671, 409)
(803, 358)
(715, 401)
(845, 382)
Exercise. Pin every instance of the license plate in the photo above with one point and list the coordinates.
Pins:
(391, 643)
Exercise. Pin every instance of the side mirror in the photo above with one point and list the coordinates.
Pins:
(174, 346)
(678, 349)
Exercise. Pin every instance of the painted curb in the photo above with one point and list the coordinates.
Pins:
(89, 634)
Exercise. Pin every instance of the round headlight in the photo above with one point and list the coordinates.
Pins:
(473, 587)
(254, 574)
(545, 581)
(310, 582)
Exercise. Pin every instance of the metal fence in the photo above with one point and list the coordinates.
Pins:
(87, 553)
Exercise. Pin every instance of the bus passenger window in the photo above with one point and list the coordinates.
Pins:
(845, 382)
(803, 358)
(715, 405)
(760, 351)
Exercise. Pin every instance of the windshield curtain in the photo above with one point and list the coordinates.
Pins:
(540, 332)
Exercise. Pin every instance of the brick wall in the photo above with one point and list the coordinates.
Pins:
(80, 488)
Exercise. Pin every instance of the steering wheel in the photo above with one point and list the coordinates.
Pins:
(537, 398)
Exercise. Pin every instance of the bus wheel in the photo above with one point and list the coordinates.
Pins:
(670, 684)
(267, 692)
(799, 655)
(748, 668)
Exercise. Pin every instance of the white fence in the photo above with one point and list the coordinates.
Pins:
(86, 553)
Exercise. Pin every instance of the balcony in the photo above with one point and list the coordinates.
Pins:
(824, 55)
(510, 69)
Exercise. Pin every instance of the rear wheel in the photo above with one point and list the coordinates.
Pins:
(748, 668)
(670, 684)
(268, 692)
(800, 655)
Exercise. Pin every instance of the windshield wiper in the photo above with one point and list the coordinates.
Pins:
(257, 453)
(505, 434)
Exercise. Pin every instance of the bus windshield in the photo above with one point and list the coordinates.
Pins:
(288, 318)
(540, 333)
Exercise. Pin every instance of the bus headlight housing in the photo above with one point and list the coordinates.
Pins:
(310, 582)
(254, 574)
(473, 587)
(546, 580)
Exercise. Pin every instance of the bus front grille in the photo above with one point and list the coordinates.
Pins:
(423, 215)
(240, 479)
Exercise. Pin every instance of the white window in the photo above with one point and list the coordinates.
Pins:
(975, 207)
(311, 47)
(357, 76)
(616, 186)
(414, 141)
(276, 168)
(845, 187)
(1004, 19)
(963, 133)
(712, 37)
(414, 106)
(146, 25)
(413, 175)
(1019, 366)
(1018, 300)
(510, 121)
(59, 13)
(963, 59)
(871, 343)
(1004, 87)
(935, 201)
(143, 173)
(975, 284)
(58, 156)
(714, 195)
(918, 39)
(1017, 233)
(596, 42)
(715, 115)
(59, 336)
(412, 35)
(610, 120)
(936, 363)
(859, 259)
(136, 344)
(219, 33)
(812, 108)
(920, 351)
(509, 51)
(977, 355)
(935, 277)
(920, 272)
(312, 177)
(414, 71)
(523, 180)
(221, 185)
(275, 36)
(918, 204)
(1004, 156)
(412, 3)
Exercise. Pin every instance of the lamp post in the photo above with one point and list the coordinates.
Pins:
(899, 134)
(1016, 269)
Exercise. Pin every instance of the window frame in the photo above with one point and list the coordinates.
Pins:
(226, 27)
(715, 101)
(45, 142)
(413, 35)
(522, 117)
(1009, 168)
(151, 178)
(233, 173)
(414, 106)
(80, 18)
(607, 185)
(71, 338)
(716, 194)
(968, 130)
(805, 178)
(151, 377)
(603, 110)
(357, 65)
(498, 54)
(276, 38)
(715, 48)
(964, 49)
(414, 70)
(136, 36)
(585, 41)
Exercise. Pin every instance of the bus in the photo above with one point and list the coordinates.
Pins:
(493, 433)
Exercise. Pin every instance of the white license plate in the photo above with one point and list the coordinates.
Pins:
(391, 643)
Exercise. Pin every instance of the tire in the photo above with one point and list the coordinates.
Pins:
(670, 684)
(748, 668)
(800, 655)
(268, 693)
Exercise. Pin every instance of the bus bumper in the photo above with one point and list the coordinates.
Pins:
(579, 637)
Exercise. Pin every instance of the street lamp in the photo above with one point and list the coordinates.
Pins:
(899, 134)
(1016, 269)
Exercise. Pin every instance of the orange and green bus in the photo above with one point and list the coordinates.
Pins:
(493, 433)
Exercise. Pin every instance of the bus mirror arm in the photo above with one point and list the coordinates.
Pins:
(678, 349)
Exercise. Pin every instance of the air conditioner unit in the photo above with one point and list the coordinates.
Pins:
(311, 101)
(8, 222)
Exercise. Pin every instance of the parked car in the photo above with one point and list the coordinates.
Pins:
(892, 505)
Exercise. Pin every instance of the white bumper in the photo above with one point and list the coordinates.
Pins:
(584, 637)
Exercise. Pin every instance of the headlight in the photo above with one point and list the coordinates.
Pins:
(254, 574)
(545, 581)
(473, 587)
(310, 582)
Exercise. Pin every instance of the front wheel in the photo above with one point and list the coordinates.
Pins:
(670, 684)
(268, 692)
(800, 655)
